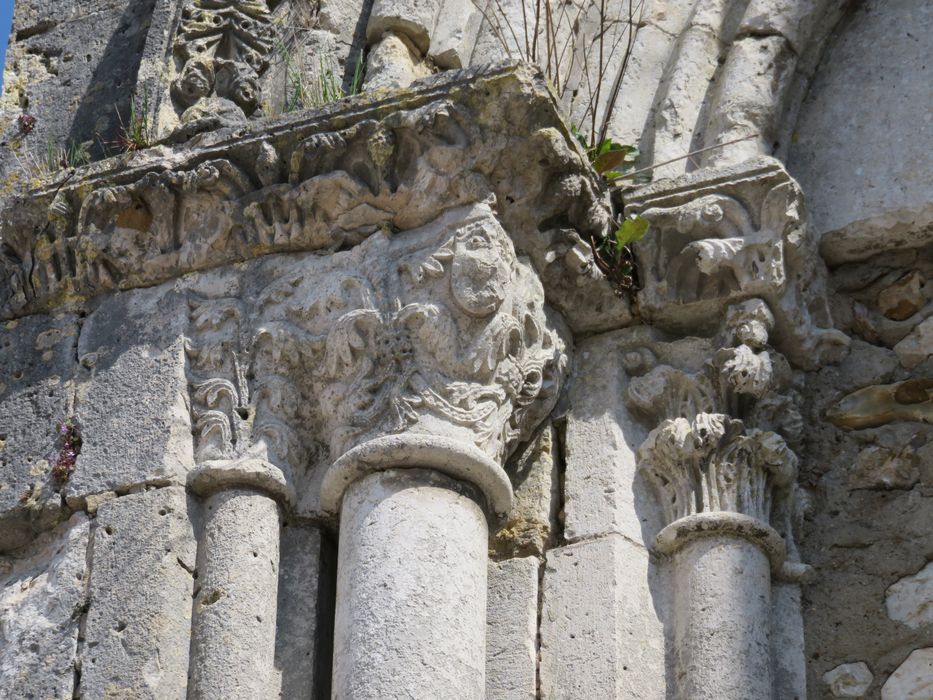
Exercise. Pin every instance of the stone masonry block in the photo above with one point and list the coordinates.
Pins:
(37, 361)
(601, 636)
(42, 593)
(132, 400)
(139, 620)
(512, 629)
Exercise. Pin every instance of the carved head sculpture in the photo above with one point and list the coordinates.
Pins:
(196, 81)
(238, 82)
(480, 270)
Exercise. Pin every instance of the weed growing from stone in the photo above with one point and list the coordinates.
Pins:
(69, 447)
(135, 135)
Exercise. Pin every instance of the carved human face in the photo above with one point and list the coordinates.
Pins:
(197, 81)
(480, 271)
(246, 94)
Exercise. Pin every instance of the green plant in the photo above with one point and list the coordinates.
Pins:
(135, 134)
(72, 155)
(326, 87)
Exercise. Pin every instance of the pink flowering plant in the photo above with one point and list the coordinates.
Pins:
(69, 447)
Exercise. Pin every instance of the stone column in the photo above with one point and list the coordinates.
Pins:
(411, 574)
(234, 616)
(722, 606)
(717, 485)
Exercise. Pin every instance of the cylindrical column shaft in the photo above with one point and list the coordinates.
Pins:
(233, 630)
(722, 619)
(411, 589)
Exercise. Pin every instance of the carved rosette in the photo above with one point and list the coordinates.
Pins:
(720, 458)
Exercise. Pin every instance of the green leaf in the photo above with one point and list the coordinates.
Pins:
(631, 230)
(614, 156)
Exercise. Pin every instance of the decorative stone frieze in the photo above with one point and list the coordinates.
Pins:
(320, 181)
(223, 49)
(720, 236)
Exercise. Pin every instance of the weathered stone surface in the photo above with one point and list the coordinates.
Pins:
(234, 615)
(602, 492)
(788, 652)
(861, 204)
(136, 638)
(42, 598)
(394, 62)
(413, 18)
(880, 404)
(913, 679)
(72, 65)
(131, 398)
(535, 480)
(512, 629)
(601, 636)
(722, 611)
(298, 635)
(455, 33)
(910, 600)
(882, 468)
(904, 298)
(849, 680)
(748, 98)
(917, 346)
(411, 589)
(37, 363)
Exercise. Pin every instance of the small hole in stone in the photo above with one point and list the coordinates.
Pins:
(108, 530)
(121, 625)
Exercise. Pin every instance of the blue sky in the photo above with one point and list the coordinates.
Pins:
(6, 18)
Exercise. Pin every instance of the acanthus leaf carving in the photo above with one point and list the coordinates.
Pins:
(439, 331)
(725, 429)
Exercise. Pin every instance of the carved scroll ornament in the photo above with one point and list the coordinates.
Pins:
(437, 332)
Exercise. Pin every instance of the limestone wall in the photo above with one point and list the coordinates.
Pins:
(254, 296)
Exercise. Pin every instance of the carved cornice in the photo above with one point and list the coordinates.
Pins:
(319, 181)
(438, 336)
(723, 235)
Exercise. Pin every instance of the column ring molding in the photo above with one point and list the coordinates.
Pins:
(694, 527)
(448, 456)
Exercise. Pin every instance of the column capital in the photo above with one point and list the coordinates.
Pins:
(430, 348)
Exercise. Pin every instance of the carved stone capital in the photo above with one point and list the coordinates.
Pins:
(726, 419)
(712, 463)
(429, 348)
(720, 236)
